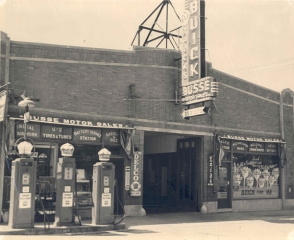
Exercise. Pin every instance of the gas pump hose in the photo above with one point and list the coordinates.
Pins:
(118, 201)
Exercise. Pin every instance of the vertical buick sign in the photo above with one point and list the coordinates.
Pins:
(190, 44)
(194, 89)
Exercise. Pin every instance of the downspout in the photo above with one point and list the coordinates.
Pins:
(283, 137)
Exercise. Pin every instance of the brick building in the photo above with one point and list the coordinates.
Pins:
(92, 97)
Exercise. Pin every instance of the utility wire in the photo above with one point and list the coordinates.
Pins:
(271, 69)
(265, 64)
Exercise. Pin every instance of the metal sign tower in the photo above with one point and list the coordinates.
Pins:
(161, 34)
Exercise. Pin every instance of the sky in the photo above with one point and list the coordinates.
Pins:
(249, 39)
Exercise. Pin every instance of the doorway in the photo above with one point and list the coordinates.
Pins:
(188, 173)
(224, 187)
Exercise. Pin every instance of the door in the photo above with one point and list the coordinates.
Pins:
(224, 187)
(187, 156)
(155, 182)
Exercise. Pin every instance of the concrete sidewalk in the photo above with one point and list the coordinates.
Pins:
(42, 229)
(151, 219)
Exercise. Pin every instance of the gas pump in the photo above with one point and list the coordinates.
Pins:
(103, 190)
(23, 178)
(65, 187)
(22, 192)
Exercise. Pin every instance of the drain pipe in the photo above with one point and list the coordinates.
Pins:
(287, 90)
(282, 185)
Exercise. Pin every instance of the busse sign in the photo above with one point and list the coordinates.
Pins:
(201, 90)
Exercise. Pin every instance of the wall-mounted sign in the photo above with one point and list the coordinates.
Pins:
(193, 112)
(75, 122)
(253, 139)
(210, 171)
(201, 90)
(136, 178)
(271, 148)
(226, 144)
(111, 136)
(87, 135)
(127, 177)
(190, 45)
(56, 132)
(33, 130)
(256, 147)
(240, 146)
(253, 193)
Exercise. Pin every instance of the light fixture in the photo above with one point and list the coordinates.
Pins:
(27, 102)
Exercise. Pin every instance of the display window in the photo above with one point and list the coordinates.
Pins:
(255, 176)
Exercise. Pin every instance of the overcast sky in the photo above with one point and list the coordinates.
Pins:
(250, 39)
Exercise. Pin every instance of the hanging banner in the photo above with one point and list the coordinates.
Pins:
(136, 175)
(3, 100)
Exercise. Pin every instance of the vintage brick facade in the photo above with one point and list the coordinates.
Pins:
(141, 88)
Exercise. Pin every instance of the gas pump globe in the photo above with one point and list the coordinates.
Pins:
(104, 155)
(25, 149)
(67, 150)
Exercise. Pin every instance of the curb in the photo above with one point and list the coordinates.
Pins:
(62, 230)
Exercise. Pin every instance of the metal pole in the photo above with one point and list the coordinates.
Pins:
(166, 25)
(25, 122)
(283, 136)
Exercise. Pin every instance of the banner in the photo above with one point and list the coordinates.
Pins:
(126, 141)
(3, 100)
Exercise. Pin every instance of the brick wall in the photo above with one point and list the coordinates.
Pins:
(98, 81)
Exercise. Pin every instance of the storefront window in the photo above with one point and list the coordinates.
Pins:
(255, 176)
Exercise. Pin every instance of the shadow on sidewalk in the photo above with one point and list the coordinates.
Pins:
(154, 218)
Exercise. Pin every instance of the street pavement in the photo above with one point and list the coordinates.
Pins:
(268, 225)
